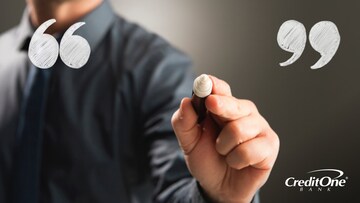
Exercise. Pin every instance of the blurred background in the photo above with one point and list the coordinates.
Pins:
(314, 112)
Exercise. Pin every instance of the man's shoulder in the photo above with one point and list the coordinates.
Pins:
(133, 33)
(10, 48)
(153, 61)
(140, 43)
(8, 38)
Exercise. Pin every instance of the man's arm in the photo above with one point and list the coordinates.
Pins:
(231, 153)
(169, 82)
(163, 77)
(170, 78)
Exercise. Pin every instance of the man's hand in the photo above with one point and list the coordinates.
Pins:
(234, 149)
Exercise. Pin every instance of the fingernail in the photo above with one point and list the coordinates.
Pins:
(181, 114)
(181, 111)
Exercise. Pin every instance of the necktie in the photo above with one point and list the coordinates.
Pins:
(27, 160)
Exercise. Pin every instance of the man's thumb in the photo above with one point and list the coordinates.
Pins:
(184, 122)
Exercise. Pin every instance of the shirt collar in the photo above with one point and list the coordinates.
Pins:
(97, 23)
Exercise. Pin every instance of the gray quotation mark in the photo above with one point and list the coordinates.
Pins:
(44, 49)
(324, 37)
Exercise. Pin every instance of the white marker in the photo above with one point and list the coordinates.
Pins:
(201, 89)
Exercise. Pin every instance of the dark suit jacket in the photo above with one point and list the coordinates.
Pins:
(107, 135)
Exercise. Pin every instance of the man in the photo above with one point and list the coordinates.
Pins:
(102, 133)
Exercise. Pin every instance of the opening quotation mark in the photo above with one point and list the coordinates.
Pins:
(44, 49)
(324, 37)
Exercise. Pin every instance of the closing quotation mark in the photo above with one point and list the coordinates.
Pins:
(44, 49)
(324, 37)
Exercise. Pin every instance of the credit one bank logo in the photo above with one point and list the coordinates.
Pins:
(318, 181)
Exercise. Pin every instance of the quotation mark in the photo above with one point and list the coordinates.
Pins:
(324, 37)
(44, 48)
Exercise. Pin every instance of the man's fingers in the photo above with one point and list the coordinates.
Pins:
(184, 122)
(229, 108)
(260, 153)
(220, 87)
(239, 131)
